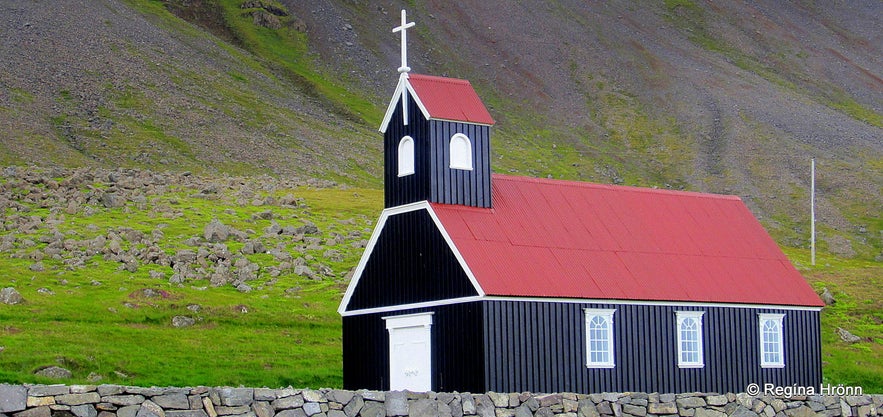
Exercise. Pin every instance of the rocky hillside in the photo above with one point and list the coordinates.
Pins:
(153, 278)
(729, 97)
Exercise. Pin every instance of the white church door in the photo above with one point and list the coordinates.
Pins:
(410, 352)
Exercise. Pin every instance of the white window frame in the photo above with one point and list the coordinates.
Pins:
(681, 317)
(461, 154)
(778, 319)
(406, 156)
(607, 316)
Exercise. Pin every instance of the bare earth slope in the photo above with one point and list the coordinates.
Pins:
(731, 97)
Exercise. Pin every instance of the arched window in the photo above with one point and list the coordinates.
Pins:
(772, 353)
(690, 353)
(599, 338)
(461, 152)
(406, 156)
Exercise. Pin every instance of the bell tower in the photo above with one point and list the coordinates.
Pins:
(436, 139)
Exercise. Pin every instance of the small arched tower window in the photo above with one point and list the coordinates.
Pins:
(406, 156)
(461, 152)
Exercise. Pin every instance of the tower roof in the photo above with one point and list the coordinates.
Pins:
(440, 98)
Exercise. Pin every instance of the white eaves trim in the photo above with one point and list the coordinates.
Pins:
(369, 249)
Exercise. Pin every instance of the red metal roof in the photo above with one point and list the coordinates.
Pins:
(547, 238)
(449, 99)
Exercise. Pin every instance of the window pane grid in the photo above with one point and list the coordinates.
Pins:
(771, 342)
(599, 338)
(689, 333)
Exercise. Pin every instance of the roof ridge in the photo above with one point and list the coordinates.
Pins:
(612, 187)
(440, 78)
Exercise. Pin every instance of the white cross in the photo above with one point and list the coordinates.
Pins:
(405, 25)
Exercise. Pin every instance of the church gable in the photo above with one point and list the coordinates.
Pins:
(408, 262)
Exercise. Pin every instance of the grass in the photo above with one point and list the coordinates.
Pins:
(95, 320)
(855, 285)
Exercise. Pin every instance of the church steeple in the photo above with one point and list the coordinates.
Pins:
(436, 139)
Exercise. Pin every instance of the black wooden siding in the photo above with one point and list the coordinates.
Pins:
(433, 179)
(410, 263)
(410, 188)
(458, 186)
(457, 349)
(540, 347)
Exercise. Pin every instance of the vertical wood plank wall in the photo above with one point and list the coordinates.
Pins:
(410, 188)
(540, 347)
(457, 186)
(410, 263)
(457, 349)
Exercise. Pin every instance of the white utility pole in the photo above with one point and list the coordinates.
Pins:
(812, 211)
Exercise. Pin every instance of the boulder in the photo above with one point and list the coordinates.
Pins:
(216, 231)
(183, 321)
(396, 403)
(84, 410)
(54, 372)
(827, 297)
(847, 337)
(150, 409)
(233, 397)
(10, 296)
(113, 200)
(265, 19)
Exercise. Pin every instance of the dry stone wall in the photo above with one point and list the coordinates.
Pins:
(123, 401)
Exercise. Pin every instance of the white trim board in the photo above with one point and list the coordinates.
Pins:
(571, 301)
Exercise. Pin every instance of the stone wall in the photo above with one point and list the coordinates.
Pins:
(122, 401)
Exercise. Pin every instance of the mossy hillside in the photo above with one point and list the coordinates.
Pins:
(285, 53)
(101, 319)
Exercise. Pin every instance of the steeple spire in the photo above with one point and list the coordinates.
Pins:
(403, 28)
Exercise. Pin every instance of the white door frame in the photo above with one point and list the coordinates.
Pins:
(418, 375)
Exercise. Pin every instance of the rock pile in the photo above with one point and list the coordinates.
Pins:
(221, 253)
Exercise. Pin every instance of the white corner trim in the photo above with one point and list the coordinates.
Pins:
(369, 249)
